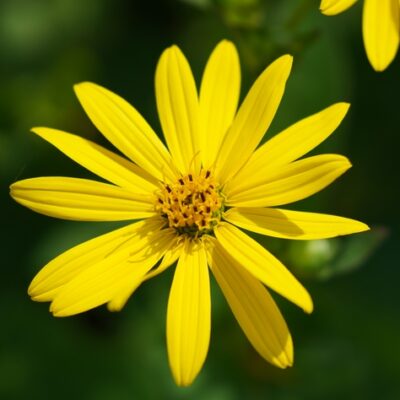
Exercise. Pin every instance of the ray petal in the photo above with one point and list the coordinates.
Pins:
(126, 129)
(381, 30)
(102, 281)
(288, 224)
(100, 161)
(178, 109)
(81, 199)
(170, 256)
(62, 269)
(292, 143)
(333, 7)
(253, 118)
(253, 307)
(189, 315)
(219, 96)
(262, 265)
(292, 182)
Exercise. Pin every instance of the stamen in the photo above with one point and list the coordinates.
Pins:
(193, 205)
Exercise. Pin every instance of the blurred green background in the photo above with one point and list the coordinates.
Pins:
(348, 348)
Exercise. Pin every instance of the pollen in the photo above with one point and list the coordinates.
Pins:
(192, 205)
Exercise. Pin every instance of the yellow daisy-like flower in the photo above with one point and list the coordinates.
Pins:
(191, 199)
(381, 27)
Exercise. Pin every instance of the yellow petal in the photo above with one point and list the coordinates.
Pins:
(381, 31)
(189, 315)
(102, 281)
(292, 224)
(170, 256)
(81, 199)
(126, 129)
(333, 7)
(292, 182)
(292, 143)
(178, 109)
(121, 297)
(100, 161)
(219, 96)
(253, 307)
(253, 118)
(62, 269)
(262, 265)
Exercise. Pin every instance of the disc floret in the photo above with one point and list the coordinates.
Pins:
(192, 205)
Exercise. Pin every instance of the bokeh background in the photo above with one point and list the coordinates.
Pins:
(348, 348)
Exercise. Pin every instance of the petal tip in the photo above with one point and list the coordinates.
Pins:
(38, 129)
(344, 106)
(287, 63)
(325, 11)
(309, 308)
(322, 7)
(334, 7)
(345, 163)
(183, 383)
(363, 227)
(226, 43)
(378, 67)
(58, 314)
(284, 365)
(287, 58)
(285, 359)
(307, 303)
(112, 308)
(13, 187)
(31, 291)
(78, 87)
(58, 311)
(173, 49)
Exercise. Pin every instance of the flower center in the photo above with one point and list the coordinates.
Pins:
(192, 205)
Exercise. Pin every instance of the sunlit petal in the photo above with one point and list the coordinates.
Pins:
(102, 281)
(262, 265)
(381, 30)
(292, 143)
(178, 109)
(292, 224)
(189, 315)
(292, 182)
(100, 161)
(81, 199)
(253, 307)
(333, 7)
(219, 96)
(170, 256)
(253, 118)
(126, 129)
(62, 269)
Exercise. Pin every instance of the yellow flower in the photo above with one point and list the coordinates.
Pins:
(381, 30)
(191, 199)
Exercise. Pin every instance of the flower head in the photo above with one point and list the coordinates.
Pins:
(191, 198)
(381, 27)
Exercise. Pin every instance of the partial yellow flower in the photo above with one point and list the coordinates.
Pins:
(191, 199)
(381, 27)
